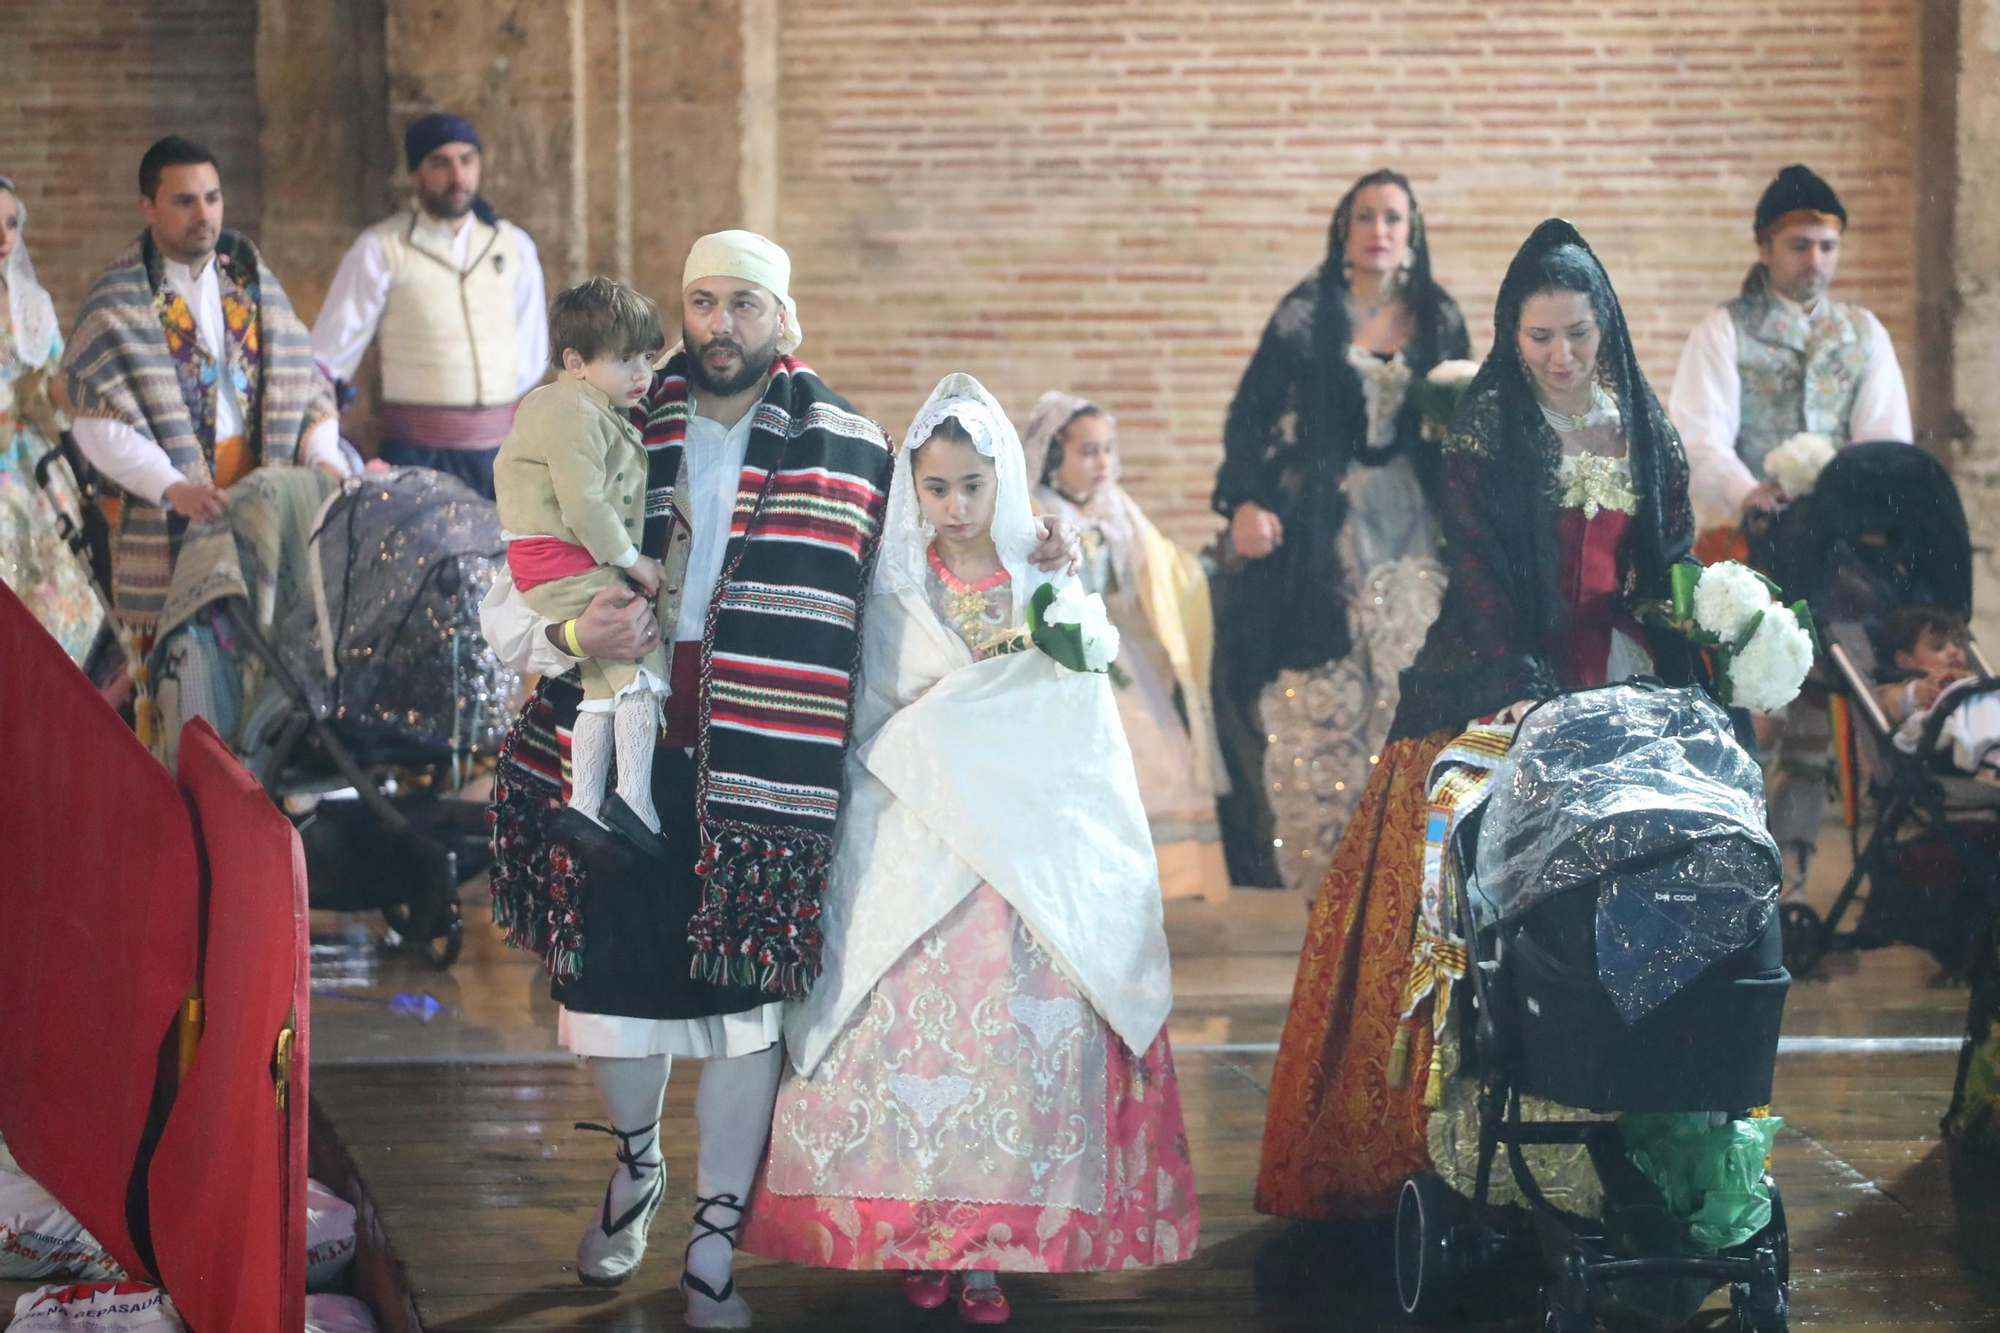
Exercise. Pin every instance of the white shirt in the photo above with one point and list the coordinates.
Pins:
(1706, 405)
(132, 459)
(715, 467)
(715, 455)
(360, 291)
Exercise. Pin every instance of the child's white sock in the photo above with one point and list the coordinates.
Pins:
(638, 736)
(589, 761)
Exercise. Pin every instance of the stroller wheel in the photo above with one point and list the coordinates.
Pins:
(1431, 1247)
(1557, 1317)
(1776, 1234)
(1804, 937)
(441, 951)
(1763, 1304)
(437, 942)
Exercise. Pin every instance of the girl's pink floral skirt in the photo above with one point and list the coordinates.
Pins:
(978, 1113)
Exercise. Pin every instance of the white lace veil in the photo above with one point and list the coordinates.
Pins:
(29, 309)
(905, 534)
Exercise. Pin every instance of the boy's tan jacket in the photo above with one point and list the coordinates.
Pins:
(572, 468)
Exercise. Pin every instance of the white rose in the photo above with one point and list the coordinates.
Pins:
(1725, 597)
(1452, 372)
(1766, 675)
(1100, 636)
(1795, 465)
(1068, 606)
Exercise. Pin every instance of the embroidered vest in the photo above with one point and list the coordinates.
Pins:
(448, 334)
(1799, 372)
(200, 376)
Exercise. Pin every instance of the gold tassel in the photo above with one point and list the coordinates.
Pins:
(1399, 1057)
(145, 717)
(1434, 1085)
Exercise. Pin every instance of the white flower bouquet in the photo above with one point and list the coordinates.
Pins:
(1071, 626)
(1438, 394)
(1762, 648)
(1794, 466)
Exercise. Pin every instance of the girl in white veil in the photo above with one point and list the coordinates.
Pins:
(981, 1078)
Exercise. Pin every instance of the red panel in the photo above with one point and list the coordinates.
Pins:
(229, 1177)
(98, 904)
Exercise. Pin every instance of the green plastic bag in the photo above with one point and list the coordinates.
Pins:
(1712, 1177)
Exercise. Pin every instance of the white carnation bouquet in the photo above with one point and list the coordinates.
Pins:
(1438, 394)
(1763, 648)
(1071, 626)
(1794, 466)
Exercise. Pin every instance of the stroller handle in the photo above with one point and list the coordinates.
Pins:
(1857, 687)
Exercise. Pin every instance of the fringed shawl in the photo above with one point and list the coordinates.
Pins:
(117, 366)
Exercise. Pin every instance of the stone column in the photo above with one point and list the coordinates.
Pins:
(329, 165)
(611, 126)
(1974, 313)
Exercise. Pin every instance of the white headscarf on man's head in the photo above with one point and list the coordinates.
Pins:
(30, 311)
(905, 534)
(752, 258)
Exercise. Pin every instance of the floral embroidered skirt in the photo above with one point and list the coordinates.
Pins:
(1338, 1140)
(978, 1113)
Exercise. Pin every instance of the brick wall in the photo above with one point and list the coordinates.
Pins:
(88, 85)
(1110, 195)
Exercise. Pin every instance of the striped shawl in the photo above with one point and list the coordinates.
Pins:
(777, 686)
(117, 366)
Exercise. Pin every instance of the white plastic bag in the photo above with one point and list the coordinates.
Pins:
(329, 1236)
(39, 1238)
(338, 1314)
(96, 1307)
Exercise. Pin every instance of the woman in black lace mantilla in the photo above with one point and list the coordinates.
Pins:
(1564, 505)
(1330, 574)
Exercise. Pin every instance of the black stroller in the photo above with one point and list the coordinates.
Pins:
(382, 700)
(381, 697)
(1883, 528)
(1615, 892)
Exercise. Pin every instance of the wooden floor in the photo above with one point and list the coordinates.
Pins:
(460, 1128)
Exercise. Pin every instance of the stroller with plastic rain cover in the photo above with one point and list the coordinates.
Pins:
(1883, 528)
(1614, 893)
(371, 696)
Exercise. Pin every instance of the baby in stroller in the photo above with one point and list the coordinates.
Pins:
(1880, 549)
(1612, 893)
(1922, 668)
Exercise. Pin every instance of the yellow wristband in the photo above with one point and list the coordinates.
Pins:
(569, 637)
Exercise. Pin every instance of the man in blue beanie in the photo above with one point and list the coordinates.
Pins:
(456, 294)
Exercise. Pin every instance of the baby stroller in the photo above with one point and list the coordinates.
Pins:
(1883, 528)
(377, 698)
(1615, 893)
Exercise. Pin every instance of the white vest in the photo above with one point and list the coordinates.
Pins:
(448, 337)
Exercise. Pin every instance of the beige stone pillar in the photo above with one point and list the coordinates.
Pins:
(329, 167)
(612, 127)
(1975, 307)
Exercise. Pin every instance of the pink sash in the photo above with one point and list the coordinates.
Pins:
(537, 560)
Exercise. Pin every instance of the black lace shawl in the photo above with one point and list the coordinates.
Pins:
(1297, 421)
(1504, 616)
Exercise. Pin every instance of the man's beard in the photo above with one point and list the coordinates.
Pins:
(755, 363)
(197, 243)
(1808, 290)
(443, 207)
